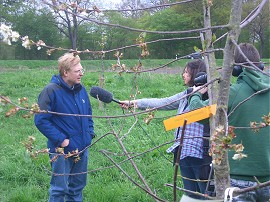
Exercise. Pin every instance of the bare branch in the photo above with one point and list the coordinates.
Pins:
(192, 192)
(133, 181)
(176, 166)
(248, 98)
(253, 14)
(141, 30)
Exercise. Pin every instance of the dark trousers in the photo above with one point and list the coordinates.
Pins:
(194, 168)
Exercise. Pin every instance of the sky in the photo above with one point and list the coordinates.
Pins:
(110, 3)
(115, 1)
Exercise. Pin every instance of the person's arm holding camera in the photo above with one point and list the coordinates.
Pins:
(196, 100)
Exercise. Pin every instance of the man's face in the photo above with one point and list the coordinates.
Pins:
(74, 75)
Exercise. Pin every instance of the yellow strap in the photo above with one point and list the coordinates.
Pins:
(192, 116)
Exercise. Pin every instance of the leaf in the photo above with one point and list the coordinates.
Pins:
(214, 37)
(196, 49)
(143, 35)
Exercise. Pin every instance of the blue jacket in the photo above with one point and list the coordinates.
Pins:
(59, 97)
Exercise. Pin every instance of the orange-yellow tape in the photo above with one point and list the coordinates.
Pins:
(192, 116)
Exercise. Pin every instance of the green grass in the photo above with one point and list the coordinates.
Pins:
(94, 64)
(97, 64)
(25, 179)
(88, 64)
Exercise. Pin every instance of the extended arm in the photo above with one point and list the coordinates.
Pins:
(167, 103)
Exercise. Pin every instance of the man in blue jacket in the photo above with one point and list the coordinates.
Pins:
(66, 95)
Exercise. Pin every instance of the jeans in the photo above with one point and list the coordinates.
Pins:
(68, 187)
(191, 168)
(258, 195)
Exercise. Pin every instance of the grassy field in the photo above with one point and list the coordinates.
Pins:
(88, 64)
(25, 179)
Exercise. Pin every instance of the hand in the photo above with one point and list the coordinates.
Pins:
(202, 91)
(65, 143)
(127, 104)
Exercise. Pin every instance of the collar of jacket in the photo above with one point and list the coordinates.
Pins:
(59, 81)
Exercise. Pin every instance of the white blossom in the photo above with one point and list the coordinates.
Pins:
(239, 148)
(5, 29)
(15, 36)
(6, 40)
(239, 156)
(39, 44)
(8, 34)
(26, 42)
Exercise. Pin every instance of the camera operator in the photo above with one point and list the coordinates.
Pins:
(255, 168)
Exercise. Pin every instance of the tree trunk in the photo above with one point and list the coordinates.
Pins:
(222, 178)
(210, 60)
(75, 32)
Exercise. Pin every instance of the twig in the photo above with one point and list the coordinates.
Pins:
(250, 62)
(253, 14)
(186, 190)
(107, 117)
(147, 8)
(178, 159)
(248, 189)
(248, 98)
(134, 182)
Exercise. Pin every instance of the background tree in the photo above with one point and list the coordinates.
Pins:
(132, 5)
(258, 30)
(66, 19)
(8, 11)
(36, 25)
(117, 37)
(9, 8)
(162, 21)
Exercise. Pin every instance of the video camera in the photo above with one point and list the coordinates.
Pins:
(200, 79)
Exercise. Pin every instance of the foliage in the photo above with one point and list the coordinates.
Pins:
(118, 37)
(9, 9)
(36, 26)
(162, 21)
(258, 30)
(7, 52)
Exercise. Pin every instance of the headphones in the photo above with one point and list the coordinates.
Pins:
(237, 69)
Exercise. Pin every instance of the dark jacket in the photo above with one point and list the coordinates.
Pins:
(60, 98)
(256, 145)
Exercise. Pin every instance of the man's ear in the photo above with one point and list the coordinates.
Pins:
(65, 73)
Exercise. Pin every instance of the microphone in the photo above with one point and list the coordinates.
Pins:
(102, 95)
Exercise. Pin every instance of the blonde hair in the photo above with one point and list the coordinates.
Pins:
(67, 61)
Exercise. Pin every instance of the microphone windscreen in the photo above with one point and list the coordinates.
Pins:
(101, 94)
